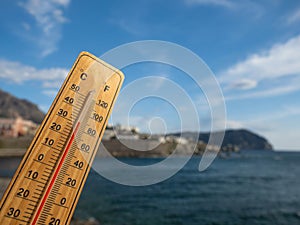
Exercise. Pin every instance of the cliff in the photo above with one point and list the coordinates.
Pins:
(12, 107)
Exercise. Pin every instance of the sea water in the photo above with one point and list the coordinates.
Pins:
(252, 187)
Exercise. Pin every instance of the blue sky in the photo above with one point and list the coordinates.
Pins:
(253, 48)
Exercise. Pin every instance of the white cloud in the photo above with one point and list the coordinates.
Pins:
(62, 2)
(49, 18)
(44, 108)
(244, 84)
(53, 84)
(51, 93)
(158, 81)
(224, 3)
(247, 6)
(281, 60)
(270, 92)
(255, 9)
(133, 27)
(26, 26)
(233, 124)
(279, 63)
(17, 72)
(294, 17)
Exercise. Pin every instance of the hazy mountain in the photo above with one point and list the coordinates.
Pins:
(12, 107)
(243, 139)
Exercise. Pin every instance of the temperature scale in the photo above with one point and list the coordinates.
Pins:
(46, 187)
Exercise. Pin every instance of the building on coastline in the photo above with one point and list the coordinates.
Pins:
(121, 132)
(17, 127)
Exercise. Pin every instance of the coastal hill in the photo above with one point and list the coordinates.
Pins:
(240, 138)
(12, 107)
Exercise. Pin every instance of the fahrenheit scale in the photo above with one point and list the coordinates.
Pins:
(46, 187)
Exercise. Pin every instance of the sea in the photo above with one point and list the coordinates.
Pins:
(246, 188)
(251, 187)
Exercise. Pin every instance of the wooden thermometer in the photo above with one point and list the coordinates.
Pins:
(46, 187)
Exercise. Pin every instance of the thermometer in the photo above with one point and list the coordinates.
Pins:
(46, 187)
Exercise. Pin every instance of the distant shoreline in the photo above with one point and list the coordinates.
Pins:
(12, 152)
(19, 153)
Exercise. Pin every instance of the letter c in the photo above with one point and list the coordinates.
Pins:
(83, 76)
